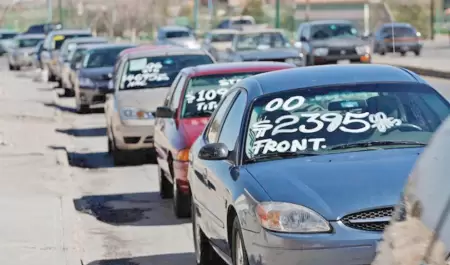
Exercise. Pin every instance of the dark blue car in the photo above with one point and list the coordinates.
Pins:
(304, 166)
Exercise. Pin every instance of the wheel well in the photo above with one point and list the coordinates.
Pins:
(231, 214)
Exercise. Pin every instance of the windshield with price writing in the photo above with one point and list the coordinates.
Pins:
(315, 120)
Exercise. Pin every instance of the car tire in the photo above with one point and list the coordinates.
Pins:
(181, 204)
(382, 52)
(11, 67)
(110, 146)
(83, 109)
(417, 53)
(118, 156)
(402, 54)
(165, 187)
(68, 92)
(204, 253)
(238, 251)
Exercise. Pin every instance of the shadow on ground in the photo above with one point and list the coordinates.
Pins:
(162, 259)
(132, 209)
(72, 110)
(86, 132)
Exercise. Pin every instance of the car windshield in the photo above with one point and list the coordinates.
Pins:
(326, 31)
(28, 43)
(261, 41)
(203, 93)
(158, 71)
(102, 57)
(344, 118)
(178, 34)
(78, 55)
(397, 31)
(58, 40)
(225, 37)
(70, 47)
(241, 22)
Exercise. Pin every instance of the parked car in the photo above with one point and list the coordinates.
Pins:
(94, 74)
(236, 22)
(37, 54)
(263, 45)
(397, 38)
(177, 36)
(52, 46)
(191, 100)
(304, 166)
(218, 41)
(23, 50)
(6, 42)
(63, 66)
(420, 230)
(75, 62)
(331, 42)
(142, 77)
(43, 28)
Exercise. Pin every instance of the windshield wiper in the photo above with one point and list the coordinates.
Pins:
(376, 143)
(280, 155)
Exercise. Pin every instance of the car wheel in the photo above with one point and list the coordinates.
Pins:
(382, 52)
(417, 53)
(117, 155)
(402, 53)
(238, 252)
(51, 77)
(60, 84)
(68, 92)
(165, 187)
(11, 68)
(181, 202)
(110, 147)
(204, 253)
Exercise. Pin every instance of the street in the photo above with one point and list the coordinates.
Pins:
(63, 200)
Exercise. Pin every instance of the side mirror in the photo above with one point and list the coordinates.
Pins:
(215, 151)
(303, 39)
(164, 112)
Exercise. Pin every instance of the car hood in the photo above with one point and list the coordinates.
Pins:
(339, 42)
(191, 128)
(339, 184)
(100, 73)
(146, 99)
(183, 41)
(268, 54)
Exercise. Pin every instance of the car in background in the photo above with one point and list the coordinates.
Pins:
(331, 42)
(23, 50)
(217, 41)
(263, 45)
(63, 66)
(75, 62)
(37, 54)
(141, 80)
(177, 36)
(305, 165)
(43, 28)
(6, 40)
(52, 46)
(397, 38)
(94, 74)
(236, 22)
(189, 103)
(419, 233)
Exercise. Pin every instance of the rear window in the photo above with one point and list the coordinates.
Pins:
(203, 93)
(58, 40)
(102, 57)
(159, 71)
(399, 32)
(222, 37)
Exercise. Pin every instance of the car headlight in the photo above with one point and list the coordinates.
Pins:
(135, 114)
(320, 51)
(288, 217)
(193, 45)
(361, 50)
(85, 82)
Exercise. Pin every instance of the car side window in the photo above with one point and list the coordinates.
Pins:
(175, 100)
(223, 24)
(232, 124)
(216, 122)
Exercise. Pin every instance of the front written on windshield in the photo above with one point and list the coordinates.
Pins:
(318, 119)
(203, 93)
(160, 71)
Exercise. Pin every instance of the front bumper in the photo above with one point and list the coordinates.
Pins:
(134, 135)
(90, 96)
(345, 246)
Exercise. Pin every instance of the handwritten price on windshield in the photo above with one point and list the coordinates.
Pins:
(283, 124)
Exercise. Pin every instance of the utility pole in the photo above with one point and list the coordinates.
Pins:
(60, 7)
(307, 10)
(277, 14)
(432, 11)
(50, 11)
(196, 14)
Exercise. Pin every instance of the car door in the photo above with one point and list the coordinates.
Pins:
(204, 187)
(166, 129)
(220, 173)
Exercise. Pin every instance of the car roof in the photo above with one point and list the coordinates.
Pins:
(328, 21)
(258, 30)
(164, 50)
(220, 68)
(224, 31)
(70, 31)
(327, 75)
(86, 39)
(30, 36)
(103, 46)
(174, 28)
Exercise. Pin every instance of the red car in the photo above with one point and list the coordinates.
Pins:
(191, 100)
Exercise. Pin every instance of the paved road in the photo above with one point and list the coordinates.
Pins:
(87, 210)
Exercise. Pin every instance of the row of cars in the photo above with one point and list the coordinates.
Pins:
(278, 164)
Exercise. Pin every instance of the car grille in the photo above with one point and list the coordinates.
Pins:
(371, 220)
(339, 51)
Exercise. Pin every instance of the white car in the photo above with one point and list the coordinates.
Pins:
(140, 83)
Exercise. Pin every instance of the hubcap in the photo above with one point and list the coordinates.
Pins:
(239, 256)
